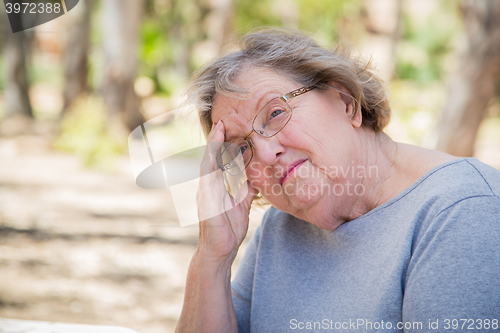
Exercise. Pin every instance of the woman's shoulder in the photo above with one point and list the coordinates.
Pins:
(490, 175)
(448, 174)
(463, 182)
(462, 178)
(431, 183)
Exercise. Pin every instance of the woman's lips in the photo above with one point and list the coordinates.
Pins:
(291, 169)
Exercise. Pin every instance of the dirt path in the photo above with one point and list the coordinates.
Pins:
(83, 246)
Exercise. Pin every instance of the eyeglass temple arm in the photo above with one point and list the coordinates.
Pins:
(303, 90)
(296, 93)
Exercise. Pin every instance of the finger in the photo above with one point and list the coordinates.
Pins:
(211, 133)
(214, 142)
(211, 204)
(211, 186)
(215, 127)
(210, 172)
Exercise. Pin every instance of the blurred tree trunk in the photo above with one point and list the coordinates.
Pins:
(179, 37)
(76, 53)
(121, 23)
(17, 101)
(203, 35)
(211, 31)
(219, 23)
(475, 81)
(382, 21)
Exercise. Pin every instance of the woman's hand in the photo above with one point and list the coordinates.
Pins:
(208, 304)
(223, 231)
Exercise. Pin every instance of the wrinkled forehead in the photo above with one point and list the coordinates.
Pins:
(237, 112)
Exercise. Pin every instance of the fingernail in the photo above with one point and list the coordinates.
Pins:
(213, 125)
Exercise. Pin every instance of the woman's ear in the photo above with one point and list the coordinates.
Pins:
(355, 115)
(350, 105)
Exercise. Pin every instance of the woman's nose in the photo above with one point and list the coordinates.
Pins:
(267, 150)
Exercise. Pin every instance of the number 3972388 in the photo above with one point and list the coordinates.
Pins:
(33, 8)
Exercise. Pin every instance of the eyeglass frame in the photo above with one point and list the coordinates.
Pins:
(286, 97)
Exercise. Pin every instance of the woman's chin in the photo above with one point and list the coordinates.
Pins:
(303, 195)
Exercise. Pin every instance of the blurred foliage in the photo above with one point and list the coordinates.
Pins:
(96, 60)
(84, 131)
(175, 40)
(421, 53)
(155, 50)
(158, 56)
(46, 72)
(327, 19)
(155, 47)
(414, 109)
(172, 28)
(251, 14)
(324, 18)
(169, 30)
(422, 50)
(423, 59)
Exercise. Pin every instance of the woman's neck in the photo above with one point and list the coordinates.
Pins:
(378, 156)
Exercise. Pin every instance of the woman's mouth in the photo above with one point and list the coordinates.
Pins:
(291, 169)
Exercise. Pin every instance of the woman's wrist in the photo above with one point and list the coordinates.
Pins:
(208, 303)
(219, 262)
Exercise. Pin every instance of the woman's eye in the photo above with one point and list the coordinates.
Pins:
(276, 113)
(243, 149)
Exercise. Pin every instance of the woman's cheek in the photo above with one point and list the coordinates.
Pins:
(255, 176)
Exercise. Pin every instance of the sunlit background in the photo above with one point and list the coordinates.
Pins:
(79, 241)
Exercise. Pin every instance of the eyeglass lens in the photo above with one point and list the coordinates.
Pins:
(270, 120)
(235, 156)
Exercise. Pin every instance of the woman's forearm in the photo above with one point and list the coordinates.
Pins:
(208, 306)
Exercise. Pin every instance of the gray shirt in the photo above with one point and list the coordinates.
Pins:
(427, 260)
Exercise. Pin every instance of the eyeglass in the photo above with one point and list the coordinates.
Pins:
(270, 120)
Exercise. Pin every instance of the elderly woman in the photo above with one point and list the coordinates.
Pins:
(364, 233)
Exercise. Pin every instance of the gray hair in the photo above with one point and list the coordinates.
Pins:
(301, 59)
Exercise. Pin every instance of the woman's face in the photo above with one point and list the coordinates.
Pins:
(306, 169)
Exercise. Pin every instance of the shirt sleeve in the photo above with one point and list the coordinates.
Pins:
(242, 284)
(453, 279)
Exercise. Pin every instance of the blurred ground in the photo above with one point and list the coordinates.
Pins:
(84, 246)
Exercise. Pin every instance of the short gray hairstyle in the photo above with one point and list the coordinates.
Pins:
(298, 57)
